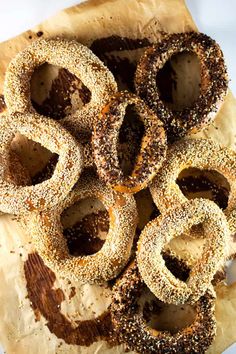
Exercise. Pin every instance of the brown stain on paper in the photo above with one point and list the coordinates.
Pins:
(46, 300)
(121, 67)
(58, 103)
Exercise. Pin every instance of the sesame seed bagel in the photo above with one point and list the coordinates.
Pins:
(105, 140)
(204, 154)
(214, 82)
(172, 224)
(22, 199)
(133, 329)
(47, 233)
(74, 57)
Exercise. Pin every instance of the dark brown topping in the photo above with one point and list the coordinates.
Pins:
(214, 82)
(152, 149)
(132, 328)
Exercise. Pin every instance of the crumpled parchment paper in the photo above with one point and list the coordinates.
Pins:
(31, 326)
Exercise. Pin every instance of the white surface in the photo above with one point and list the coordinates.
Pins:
(17, 16)
(231, 350)
(217, 19)
(213, 17)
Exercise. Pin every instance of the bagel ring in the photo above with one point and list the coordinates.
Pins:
(162, 230)
(47, 233)
(105, 137)
(200, 153)
(21, 199)
(71, 55)
(214, 82)
(133, 329)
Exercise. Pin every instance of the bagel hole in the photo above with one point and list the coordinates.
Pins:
(164, 317)
(56, 92)
(210, 184)
(188, 246)
(47, 171)
(130, 138)
(85, 226)
(38, 161)
(179, 81)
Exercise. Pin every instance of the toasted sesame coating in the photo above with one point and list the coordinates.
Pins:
(47, 233)
(16, 173)
(71, 55)
(204, 154)
(22, 199)
(162, 230)
(213, 89)
(105, 141)
(131, 327)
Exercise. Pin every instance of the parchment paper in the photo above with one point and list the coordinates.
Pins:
(23, 326)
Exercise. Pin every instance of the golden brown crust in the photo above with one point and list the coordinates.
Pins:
(162, 230)
(214, 82)
(21, 199)
(46, 230)
(105, 138)
(73, 56)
